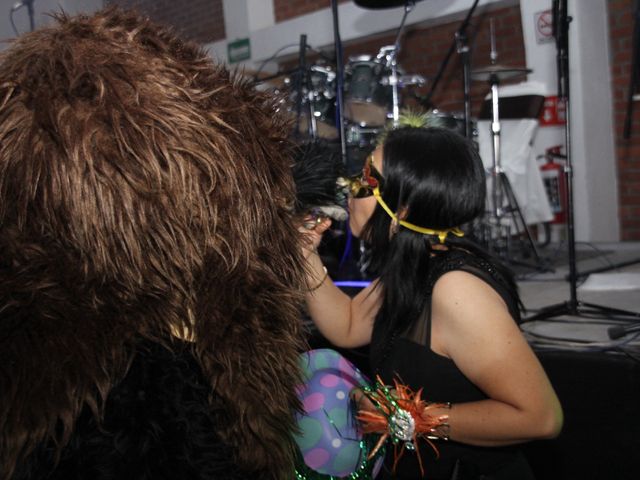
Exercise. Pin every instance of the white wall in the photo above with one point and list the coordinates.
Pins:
(592, 132)
(591, 116)
(355, 22)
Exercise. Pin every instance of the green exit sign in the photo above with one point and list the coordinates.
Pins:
(238, 50)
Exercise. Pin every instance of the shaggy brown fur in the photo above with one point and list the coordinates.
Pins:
(143, 190)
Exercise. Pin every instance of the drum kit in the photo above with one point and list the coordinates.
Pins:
(374, 87)
(368, 93)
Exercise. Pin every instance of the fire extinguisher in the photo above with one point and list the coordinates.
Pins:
(555, 183)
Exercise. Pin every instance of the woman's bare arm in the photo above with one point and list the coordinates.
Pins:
(346, 322)
(472, 326)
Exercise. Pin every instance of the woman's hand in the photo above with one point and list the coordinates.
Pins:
(312, 228)
(363, 403)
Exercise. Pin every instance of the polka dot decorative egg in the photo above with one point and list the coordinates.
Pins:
(329, 440)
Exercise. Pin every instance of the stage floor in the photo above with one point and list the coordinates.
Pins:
(613, 288)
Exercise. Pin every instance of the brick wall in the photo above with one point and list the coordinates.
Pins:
(286, 9)
(198, 20)
(424, 49)
(621, 23)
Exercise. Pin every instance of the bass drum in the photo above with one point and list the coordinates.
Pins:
(367, 99)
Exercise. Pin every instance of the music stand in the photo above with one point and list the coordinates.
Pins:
(573, 306)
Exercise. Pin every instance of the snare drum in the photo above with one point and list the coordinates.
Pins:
(367, 99)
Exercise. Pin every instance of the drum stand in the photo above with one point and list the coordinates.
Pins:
(303, 86)
(461, 47)
(392, 62)
(312, 127)
(505, 210)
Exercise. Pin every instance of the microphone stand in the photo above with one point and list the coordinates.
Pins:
(460, 45)
(30, 11)
(301, 78)
(339, 80)
(573, 306)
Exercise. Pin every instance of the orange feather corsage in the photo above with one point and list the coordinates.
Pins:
(402, 417)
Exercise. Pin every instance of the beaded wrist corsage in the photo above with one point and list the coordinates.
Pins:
(401, 417)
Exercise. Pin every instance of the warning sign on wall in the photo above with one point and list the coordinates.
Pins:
(553, 112)
(543, 26)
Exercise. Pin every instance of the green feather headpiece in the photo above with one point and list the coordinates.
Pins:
(413, 119)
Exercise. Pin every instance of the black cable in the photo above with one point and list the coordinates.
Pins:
(564, 344)
(13, 25)
(601, 252)
(632, 355)
(264, 63)
(320, 53)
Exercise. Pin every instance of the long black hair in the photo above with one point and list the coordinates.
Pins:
(434, 177)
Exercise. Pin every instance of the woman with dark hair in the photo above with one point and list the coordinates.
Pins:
(442, 316)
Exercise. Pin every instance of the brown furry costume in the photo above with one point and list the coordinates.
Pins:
(143, 191)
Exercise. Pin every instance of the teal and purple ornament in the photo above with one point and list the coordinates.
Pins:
(329, 441)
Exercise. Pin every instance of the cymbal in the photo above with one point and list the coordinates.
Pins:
(500, 72)
(380, 4)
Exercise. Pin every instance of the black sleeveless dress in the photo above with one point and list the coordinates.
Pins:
(408, 356)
